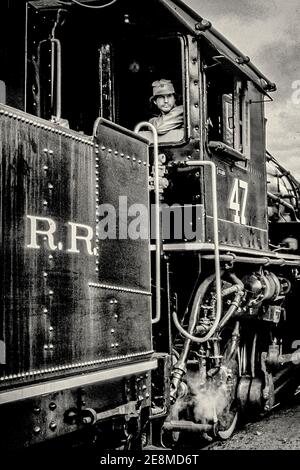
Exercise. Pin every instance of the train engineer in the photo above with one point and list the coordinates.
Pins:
(164, 98)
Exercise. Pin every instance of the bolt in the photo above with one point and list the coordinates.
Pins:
(36, 429)
(52, 406)
(53, 426)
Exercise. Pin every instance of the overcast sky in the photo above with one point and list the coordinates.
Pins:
(269, 32)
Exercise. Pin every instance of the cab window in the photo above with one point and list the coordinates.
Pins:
(228, 110)
(127, 71)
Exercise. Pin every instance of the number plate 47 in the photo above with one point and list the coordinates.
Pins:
(238, 200)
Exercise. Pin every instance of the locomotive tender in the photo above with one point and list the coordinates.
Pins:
(143, 339)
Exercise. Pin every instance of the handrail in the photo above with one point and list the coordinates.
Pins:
(58, 76)
(216, 246)
(137, 128)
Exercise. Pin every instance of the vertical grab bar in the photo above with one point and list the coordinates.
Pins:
(56, 42)
(216, 244)
(137, 128)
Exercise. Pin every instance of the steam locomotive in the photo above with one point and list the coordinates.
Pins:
(141, 334)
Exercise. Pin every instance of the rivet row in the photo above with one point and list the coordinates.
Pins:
(73, 366)
(52, 128)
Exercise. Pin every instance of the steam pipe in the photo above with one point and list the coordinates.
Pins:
(187, 426)
(236, 280)
(232, 309)
(180, 366)
(158, 243)
(230, 290)
(194, 316)
(264, 261)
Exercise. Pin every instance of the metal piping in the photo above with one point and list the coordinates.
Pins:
(52, 69)
(216, 240)
(232, 309)
(158, 242)
(280, 201)
(235, 341)
(264, 261)
(192, 323)
(96, 7)
(187, 426)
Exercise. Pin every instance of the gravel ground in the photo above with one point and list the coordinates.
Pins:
(278, 431)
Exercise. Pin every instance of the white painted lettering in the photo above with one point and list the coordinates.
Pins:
(49, 228)
(75, 236)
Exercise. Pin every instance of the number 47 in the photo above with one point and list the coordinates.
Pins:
(238, 200)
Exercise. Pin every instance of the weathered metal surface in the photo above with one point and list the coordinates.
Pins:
(48, 416)
(53, 319)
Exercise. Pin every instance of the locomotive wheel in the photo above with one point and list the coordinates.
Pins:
(227, 433)
(227, 421)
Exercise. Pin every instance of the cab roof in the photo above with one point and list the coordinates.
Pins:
(199, 26)
(196, 25)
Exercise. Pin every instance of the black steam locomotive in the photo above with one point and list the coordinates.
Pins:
(140, 333)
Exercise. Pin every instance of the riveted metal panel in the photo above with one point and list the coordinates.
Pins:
(47, 416)
(123, 182)
(52, 321)
(194, 98)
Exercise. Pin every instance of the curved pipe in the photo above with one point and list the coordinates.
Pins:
(193, 321)
(137, 128)
(94, 7)
(232, 309)
(236, 280)
(180, 366)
